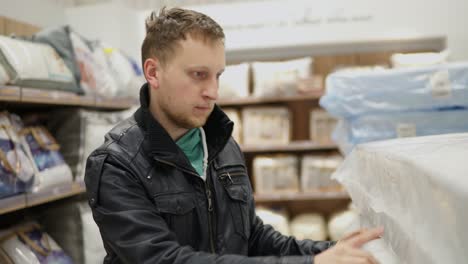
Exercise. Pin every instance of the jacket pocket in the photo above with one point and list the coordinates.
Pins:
(236, 183)
(178, 210)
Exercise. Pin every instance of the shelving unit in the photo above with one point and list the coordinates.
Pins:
(293, 147)
(269, 100)
(43, 196)
(14, 95)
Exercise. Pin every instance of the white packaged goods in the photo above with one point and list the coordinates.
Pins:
(233, 114)
(234, 82)
(369, 128)
(16, 173)
(266, 125)
(278, 220)
(417, 189)
(4, 78)
(34, 65)
(28, 244)
(280, 78)
(79, 132)
(309, 226)
(322, 125)
(42, 149)
(128, 81)
(422, 59)
(341, 223)
(96, 78)
(316, 173)
(276, 174)
(434, 87)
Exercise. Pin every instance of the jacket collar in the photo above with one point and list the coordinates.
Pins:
(159, 144)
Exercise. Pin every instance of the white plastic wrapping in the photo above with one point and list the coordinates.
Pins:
(16, 169)
(42, 149)
(280, 78)
(417, 189)
(128, 82)
(376, 127)
(4, 78)
(341, 223)
(355, 93)
(278, 220)
(93, 247)
(80, 132)
(316, 172)
(34, 65)
(234, 82)
(273, 174)
(309, 226)
(96, 78)
(405, 60)
(28, 244)
(233, 114)
(266, 125)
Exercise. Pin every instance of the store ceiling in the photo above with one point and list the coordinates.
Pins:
(141, 4)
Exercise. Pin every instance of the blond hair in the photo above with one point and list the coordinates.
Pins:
(165, 30)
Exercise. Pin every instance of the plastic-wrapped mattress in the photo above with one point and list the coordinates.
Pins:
(418, 190)
(376, 127)
(352, 93)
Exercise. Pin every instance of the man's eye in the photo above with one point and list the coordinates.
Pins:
(199, 75)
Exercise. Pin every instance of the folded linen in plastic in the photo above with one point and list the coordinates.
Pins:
(28, 244)
(417, 189)
(419, 59)
(34, 65)
(234, 82)
(280, 78)
(369, 128)
(433, 87)
(79, 132)
(16, 172)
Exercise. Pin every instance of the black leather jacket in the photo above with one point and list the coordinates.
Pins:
(152, 207)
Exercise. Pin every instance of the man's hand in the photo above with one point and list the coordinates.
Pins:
(348, 250)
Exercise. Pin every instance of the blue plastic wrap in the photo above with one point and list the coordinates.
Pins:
(377, 127)
(353, 93)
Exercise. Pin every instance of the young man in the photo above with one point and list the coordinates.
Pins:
(169, 185)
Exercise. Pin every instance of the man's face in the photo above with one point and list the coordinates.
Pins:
(188, 83)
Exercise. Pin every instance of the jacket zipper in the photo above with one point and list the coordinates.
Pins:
(209, 199)
(226, 178)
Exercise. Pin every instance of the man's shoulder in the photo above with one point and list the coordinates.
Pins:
(124, 141)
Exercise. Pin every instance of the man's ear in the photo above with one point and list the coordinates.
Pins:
(151, 69)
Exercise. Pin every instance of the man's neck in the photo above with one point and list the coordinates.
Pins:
(174, 132)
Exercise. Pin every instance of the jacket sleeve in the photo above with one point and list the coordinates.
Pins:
(132, 227)
(264, 240)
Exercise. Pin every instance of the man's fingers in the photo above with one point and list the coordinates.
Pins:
(356, 260)
(366, 236)
(353, 234)
(353, 252)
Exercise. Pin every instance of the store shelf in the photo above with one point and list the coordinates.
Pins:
(308, 196)
(47, 195)
(269, 100)
(13, 203)
(9, 93)
(23, 95)
(54, 193)
(295, 146)
(36, 96)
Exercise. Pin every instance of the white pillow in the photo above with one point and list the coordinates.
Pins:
(309, 226)
(280, 78)
(34, 65)
(277, 220)
(234, 82)
(274, 174)
(266, 125)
